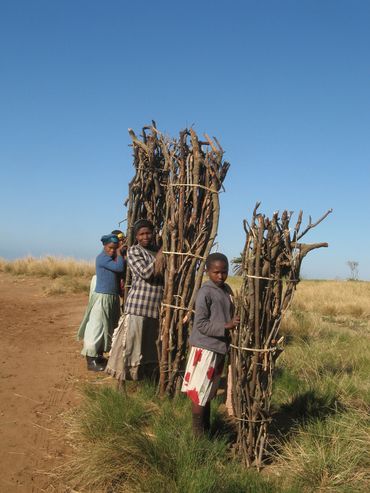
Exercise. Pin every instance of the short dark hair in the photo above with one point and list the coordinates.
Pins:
(216, 257)
(142, 223)
(117, 232)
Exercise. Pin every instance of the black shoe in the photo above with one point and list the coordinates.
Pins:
(93, 364)
(101, 360)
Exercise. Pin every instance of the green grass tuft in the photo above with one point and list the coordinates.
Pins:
(140, 444)
(329, 455)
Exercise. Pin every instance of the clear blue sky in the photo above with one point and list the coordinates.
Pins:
(284, 85)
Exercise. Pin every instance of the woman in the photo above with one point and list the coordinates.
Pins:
(103, 311)
(122, 245)
(134, 352)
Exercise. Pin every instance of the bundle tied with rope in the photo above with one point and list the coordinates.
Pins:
(271, 263)
(176, 186)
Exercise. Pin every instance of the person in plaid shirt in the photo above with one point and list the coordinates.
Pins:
(134, 352)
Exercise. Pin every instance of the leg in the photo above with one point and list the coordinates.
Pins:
(207, 416)
(94, 332)
(199, 419)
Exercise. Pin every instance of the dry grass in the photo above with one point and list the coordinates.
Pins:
(329, 455)
(339, 299)
(67, 274)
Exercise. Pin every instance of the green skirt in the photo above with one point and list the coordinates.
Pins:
(97, 327)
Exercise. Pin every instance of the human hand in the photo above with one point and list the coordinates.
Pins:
(159, 262)
(233, 323)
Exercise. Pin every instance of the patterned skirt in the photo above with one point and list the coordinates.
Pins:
(134, 353)
(202, 375)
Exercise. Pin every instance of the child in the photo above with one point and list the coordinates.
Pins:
(134, 352)
(209, 340)
(102, 313)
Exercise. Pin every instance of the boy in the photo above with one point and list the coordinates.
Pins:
(209, 340)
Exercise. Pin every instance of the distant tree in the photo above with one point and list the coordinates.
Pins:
(353, 267)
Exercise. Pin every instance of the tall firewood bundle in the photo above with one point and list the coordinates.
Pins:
(271, 263)
(176, 186)
(147, 195)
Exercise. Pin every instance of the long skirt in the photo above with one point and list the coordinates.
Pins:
(202, 375)
(100, 319)
(134, 353)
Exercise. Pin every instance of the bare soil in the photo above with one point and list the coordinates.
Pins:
(41, 371)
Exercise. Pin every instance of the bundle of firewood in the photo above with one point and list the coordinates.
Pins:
(176, 186)
(271, 263)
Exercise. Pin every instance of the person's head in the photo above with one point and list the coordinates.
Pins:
(121, 237)
(217, 267)
(143, 231)
(110, 244)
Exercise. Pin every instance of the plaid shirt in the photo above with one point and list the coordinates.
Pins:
(146, 292)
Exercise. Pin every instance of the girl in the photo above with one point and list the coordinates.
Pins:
(209, 340)
(103, 311)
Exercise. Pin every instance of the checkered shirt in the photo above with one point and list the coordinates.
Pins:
(145, 295)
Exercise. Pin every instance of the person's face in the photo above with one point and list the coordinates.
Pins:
(144, 236)
(217, 272)
(110, 248)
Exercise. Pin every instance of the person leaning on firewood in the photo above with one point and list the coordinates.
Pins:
(122, 245)
(209, 340)
(103, 310)
(134, 353)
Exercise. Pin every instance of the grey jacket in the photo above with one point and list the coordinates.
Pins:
(213, 309)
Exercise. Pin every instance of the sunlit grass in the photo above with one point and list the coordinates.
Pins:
(66, 275)
(139, 443)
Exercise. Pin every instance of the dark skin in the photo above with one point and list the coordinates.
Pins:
(112, 249)
(217, 273)
(144, 237)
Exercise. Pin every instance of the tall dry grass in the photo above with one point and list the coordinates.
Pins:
(66, 274)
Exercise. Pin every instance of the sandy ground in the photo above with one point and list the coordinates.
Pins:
(41, 371)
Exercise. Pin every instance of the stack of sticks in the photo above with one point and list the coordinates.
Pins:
(271, 263)
(176, 186)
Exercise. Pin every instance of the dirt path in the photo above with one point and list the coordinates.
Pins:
(41, 369)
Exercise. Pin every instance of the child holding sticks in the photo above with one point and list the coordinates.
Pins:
(209, 339)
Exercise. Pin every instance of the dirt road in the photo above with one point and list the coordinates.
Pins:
(41, 370)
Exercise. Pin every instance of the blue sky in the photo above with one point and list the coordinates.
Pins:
(284, 85)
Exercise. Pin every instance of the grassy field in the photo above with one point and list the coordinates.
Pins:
(320, 431)
(62, 275)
